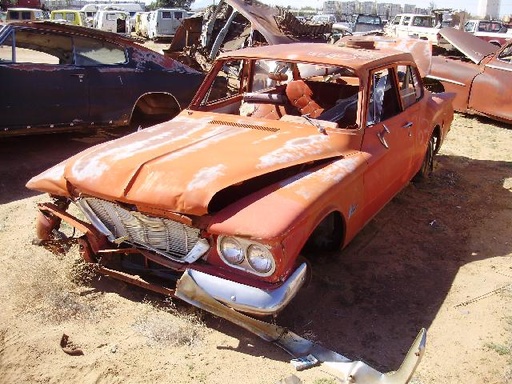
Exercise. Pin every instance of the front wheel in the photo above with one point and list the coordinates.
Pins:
(428, 161)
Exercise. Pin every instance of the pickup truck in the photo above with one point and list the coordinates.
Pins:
(413, 25)
(493, 31)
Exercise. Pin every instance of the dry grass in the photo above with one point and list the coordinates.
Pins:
(48, 287)
(163, 325)
(56, 290)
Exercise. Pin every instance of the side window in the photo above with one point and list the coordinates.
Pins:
(178, 15)
(409, 86)
(228, 82)
(383, 101)
(396, 20)
(406, 20)
(93, 52)
(55, 49)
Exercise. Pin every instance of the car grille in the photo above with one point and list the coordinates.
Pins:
(165, 236)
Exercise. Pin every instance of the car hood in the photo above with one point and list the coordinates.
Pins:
(471, 46)
(181, 164)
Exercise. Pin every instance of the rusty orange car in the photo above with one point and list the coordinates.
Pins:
(285, 152)
(479, 76)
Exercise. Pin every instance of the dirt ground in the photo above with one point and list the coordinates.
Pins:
(438, 256)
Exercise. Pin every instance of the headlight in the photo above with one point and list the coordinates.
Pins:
(246, 255)
(231, 250)
(260, 259)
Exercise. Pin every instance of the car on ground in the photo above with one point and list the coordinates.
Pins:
(58, 77)
(479, 76)
(284, 154)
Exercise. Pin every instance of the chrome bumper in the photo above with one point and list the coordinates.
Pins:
(247, 299)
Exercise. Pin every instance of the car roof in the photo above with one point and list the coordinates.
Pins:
(358, 59)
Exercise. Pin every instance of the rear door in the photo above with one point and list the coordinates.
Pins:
(40, 85)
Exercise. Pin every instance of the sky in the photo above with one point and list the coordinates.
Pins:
(467, 5)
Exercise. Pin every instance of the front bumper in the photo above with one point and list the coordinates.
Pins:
(247, 299)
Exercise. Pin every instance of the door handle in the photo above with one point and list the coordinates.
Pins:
(407, 125)
(381, 135)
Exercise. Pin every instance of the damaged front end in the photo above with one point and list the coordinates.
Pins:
(145, 255)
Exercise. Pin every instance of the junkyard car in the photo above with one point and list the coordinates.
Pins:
(480, 79)
(57, 77)
(284, 152)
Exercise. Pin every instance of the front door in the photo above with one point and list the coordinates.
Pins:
(40, 85)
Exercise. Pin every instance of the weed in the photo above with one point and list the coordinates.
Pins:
(499, 348)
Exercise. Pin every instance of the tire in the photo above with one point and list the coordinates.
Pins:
(427, 166)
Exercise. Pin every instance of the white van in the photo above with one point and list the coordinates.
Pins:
(25, 14)
(164, 22)
(113, 20)
(90, 10)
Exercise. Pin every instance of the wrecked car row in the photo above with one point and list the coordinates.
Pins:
(284, 152)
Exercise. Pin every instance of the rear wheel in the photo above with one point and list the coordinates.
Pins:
(428, 161)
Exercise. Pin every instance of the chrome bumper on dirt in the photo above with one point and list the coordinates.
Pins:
(351, 371)
(249, 299)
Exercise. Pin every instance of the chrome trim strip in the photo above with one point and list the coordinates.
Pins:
(498, 67)
(446, 80)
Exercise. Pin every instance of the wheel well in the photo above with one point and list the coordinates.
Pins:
(437, 135)
(328, 235)
(155, 107)
(433, 85)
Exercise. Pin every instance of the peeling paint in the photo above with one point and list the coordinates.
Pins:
(294, 149)
(206, 176)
